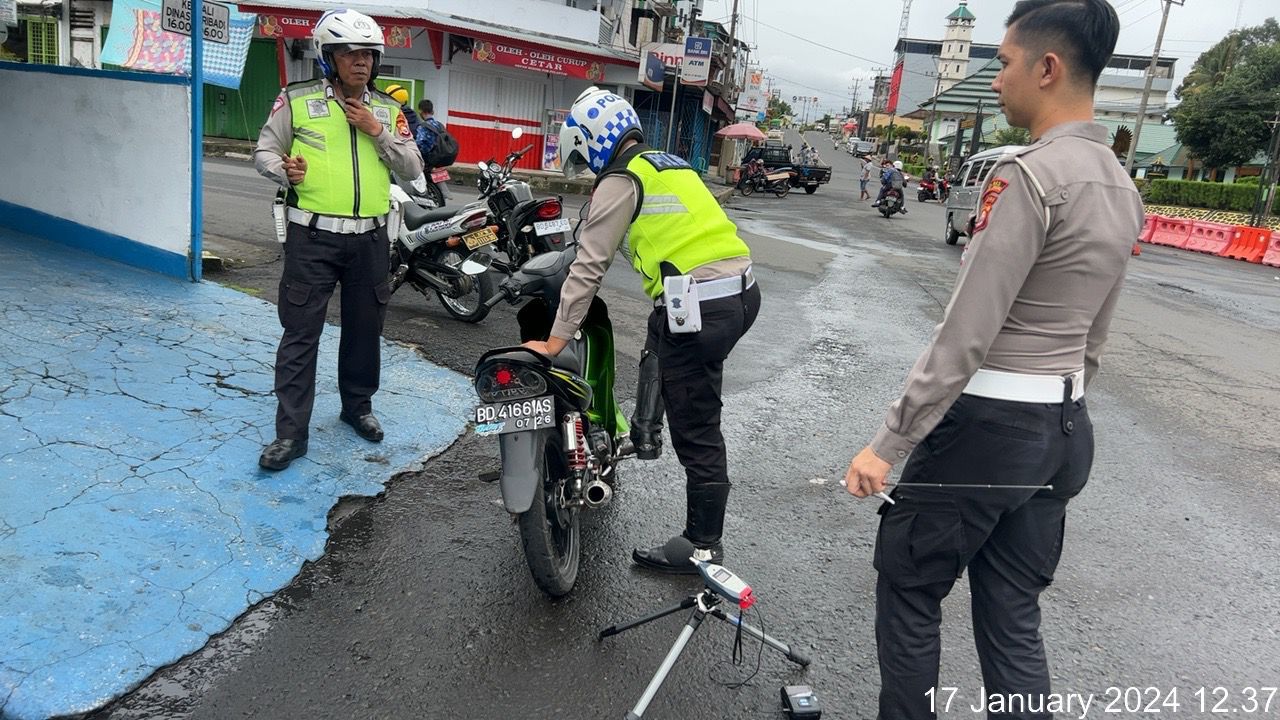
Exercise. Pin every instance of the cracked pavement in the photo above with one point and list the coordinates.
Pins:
(134, 521)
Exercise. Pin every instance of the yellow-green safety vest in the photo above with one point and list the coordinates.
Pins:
(345, 176)
(679, 221)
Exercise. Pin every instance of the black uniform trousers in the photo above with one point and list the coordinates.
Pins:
(692, 377)
(1010, 540)
(314, 260)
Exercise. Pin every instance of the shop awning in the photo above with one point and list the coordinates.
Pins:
(508, 45)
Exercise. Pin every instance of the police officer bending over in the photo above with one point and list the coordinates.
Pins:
(675, 231)
(998, 396)
(331, 144)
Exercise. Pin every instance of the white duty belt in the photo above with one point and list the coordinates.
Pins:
(329, 223)
(1018, 387)
(721, 287)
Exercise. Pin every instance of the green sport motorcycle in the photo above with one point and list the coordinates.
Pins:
(559, 427)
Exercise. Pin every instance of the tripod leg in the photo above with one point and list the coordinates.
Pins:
(794, 656)
(682, 605)
(667, 663)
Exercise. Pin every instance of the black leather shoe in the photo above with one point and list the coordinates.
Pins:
(281, 452)
(664, 558)
(366, 426)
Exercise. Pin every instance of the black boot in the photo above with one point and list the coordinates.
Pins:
(704, 526)
(646, 422)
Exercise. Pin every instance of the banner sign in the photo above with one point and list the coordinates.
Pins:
(138, 40)
(536, 60)
(751, 101)
(652, 71)
(707, 101)
(895, 87)
(8, 12)
(697, 61)
(297, 28)
(671, 54)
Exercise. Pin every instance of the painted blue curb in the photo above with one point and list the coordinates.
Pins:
(134, 520)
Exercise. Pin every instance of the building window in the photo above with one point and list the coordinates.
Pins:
(42, 40)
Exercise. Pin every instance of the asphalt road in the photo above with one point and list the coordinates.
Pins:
(422, 607)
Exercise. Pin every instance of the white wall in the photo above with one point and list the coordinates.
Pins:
(105, 152)
(548, 18)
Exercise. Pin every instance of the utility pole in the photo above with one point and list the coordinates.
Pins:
(933, 115)
(733, 47)
(977, 131)
(1146, 88)
(1266, 183)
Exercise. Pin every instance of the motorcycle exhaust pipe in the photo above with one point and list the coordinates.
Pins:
(597, 495)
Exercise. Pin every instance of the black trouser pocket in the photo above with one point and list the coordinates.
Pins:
(920, 542)
(382, 291)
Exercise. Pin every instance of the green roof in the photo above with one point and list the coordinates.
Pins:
(963, 97)
(962, 13)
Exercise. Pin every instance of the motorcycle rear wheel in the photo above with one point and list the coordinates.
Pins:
(781, 189)
(468, 305)
(550, 533)
(433, 192)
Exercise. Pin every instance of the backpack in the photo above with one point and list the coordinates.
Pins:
(444, 152)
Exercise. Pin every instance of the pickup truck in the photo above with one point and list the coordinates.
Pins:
(807, 176)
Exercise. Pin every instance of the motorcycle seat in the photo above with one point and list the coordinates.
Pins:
(568, 359)
(415, 216)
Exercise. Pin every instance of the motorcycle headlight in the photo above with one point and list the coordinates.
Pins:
(500, 382)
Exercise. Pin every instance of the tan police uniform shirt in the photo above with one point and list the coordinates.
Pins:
(603, 232)
(394, 145)
(1038, 281)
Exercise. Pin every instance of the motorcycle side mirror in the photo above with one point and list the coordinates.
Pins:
(516, 133)
(476, 264)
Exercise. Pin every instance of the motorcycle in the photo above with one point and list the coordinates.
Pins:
(526, 226)
(560, 431)
(429, 248)
(777, 182)
(933, 189)
(892, 203)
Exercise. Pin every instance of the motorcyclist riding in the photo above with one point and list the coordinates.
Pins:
(891, 178)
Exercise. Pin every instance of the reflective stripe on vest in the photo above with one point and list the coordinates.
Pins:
(680, 222)
(345, 176)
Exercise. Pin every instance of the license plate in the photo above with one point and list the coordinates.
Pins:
(547, 227)
(439, 176)
(515, 416)
(479, 238)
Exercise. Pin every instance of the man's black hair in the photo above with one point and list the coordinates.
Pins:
(1084, 32)
(425, 106)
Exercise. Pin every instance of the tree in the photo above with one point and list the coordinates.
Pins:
(1012, 136)
(1215, 64)
(778, 108)
(1225, 124)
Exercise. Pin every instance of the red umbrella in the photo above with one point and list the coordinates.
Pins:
(741, 131)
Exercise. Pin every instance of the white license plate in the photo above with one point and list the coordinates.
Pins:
(547, 227)
(439, 176)
(479, 238)
(515, 416)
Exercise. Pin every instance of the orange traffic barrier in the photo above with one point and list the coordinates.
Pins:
(1272, 256)
(1148, 228)
(1250, 244)
(1210, 237)
(1173, 232)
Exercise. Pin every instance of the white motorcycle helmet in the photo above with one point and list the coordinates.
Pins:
(897, 164)
(344, 30)
(596, 126)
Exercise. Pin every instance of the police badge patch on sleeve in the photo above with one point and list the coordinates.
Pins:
(402, 125)
(279, 103)
(989, 197)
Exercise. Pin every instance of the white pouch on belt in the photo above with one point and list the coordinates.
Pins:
(278, 215)
(680, 297)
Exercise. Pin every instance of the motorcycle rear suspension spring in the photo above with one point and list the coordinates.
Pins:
(575, 442)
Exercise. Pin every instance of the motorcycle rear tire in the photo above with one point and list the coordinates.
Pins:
(782, 189)
(433, 192)
(483, 285)
(552, 542)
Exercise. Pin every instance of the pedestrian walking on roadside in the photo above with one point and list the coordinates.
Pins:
(998, 397)
(332, 144)
(864, 179)
(654, 207)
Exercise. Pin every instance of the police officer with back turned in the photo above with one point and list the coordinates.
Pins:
(998, 396)
(332, 144)
(654, 207)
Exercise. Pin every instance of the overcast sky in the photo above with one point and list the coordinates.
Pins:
(869, 29)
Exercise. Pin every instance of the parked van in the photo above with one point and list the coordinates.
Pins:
(966, 190)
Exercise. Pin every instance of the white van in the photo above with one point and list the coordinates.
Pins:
(966, 191)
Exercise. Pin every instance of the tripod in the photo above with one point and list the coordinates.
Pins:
(703, 603)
